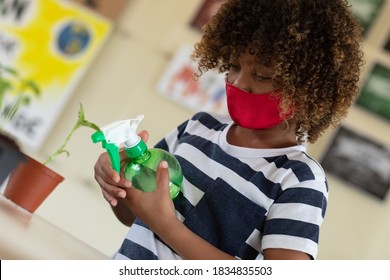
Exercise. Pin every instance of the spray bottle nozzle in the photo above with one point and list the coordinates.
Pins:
(115, 134)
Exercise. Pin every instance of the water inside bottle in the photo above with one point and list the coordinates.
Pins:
(145, 179)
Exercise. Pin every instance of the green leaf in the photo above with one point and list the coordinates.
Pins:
(11, 83)
(9, 70)
(4, 86)
(34, 87)
(24, 100)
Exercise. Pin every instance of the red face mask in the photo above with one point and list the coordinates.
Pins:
(254, 111)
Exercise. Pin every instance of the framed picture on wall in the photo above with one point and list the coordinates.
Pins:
(178, 83)
(375, 94)
(359, 161)
(205, 12)
(366, 11)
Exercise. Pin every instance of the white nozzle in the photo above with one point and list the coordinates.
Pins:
(123, 132)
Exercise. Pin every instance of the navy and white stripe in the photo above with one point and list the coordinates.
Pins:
(241, 200)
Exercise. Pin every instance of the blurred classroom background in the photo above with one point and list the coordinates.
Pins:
(137, 46)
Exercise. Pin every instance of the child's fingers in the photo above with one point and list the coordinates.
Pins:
(162, 177)
(144, 134)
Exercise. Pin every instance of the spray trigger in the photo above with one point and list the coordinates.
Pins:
(116, 134)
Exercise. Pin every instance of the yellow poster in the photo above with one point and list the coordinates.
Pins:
(51, 42)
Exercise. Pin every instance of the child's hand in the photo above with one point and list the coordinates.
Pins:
(112, 184)
(154, 208)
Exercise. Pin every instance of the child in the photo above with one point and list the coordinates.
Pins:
(250, 190)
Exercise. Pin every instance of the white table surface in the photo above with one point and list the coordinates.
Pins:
(24, 235)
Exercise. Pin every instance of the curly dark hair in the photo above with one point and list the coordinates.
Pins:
(314, 47)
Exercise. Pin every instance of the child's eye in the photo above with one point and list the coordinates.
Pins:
(262, 78)
(234, 67)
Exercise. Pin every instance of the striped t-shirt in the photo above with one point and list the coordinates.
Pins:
(241, 200)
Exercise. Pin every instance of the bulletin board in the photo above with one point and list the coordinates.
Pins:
(178, 83)
(51, 42)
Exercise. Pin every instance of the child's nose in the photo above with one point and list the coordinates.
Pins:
(242, 83)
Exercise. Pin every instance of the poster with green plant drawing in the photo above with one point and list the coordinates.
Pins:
(375, 95)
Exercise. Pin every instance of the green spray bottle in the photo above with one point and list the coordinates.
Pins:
(143, 162)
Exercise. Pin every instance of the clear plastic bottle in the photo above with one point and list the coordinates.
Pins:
(143, 162)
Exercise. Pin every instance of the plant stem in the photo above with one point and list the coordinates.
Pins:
(81, 121)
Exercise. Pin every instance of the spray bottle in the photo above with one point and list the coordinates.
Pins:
(142, 166)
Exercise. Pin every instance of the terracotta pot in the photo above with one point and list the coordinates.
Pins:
(31, 183)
